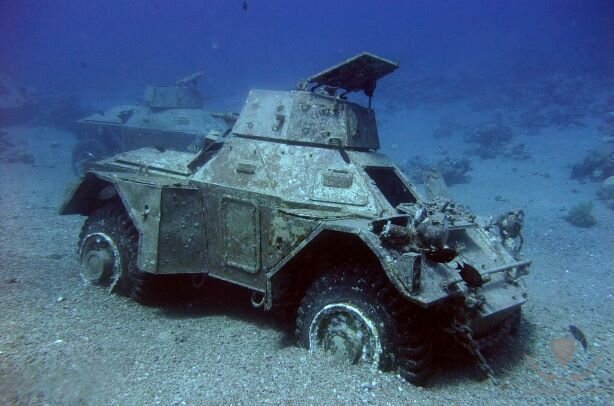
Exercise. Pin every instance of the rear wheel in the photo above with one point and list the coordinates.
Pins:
(107, 250)
(360, 318)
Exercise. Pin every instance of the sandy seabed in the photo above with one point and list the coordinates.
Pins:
(62, 342)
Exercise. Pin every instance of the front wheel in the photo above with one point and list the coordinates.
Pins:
(107, 250)
(358, 317)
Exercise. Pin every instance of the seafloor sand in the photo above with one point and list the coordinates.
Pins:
(65, 343)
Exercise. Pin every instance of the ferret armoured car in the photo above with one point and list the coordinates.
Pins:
(295, 204)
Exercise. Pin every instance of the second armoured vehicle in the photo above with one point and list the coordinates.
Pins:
(167, 117)
(296, 205)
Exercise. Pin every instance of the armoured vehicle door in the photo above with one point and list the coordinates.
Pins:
(181, 241)
(232, 229)
(240, 234)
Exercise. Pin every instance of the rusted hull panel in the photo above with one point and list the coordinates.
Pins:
(181, 243)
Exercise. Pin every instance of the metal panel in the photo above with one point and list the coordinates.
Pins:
(338, 186)
(307, 118)
(360, 72)
(181, 247)
(241, 227)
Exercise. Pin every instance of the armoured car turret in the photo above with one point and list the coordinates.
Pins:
(296, 205)
(167, 117)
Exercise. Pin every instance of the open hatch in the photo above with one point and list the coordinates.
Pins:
(360, 72)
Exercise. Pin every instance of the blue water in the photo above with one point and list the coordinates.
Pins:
(538, 72)
(118, 46)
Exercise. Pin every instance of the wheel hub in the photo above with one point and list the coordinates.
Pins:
(345, 332)
(100, 259)
(97, 264)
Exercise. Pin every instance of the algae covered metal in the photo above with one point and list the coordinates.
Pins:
(296, 204)
(167, 117)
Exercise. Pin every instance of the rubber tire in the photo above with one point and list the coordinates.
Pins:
(87, 151)
(403, 328)
(114, 222)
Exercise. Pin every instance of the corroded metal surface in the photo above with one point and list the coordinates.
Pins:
(307, 118)
(181, 242)
(360, 72)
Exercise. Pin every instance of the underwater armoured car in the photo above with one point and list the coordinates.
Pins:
(168, 117)
(296, 205)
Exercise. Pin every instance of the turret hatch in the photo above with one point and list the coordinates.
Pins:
(360, 72)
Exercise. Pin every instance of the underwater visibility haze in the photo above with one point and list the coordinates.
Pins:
(421, 192)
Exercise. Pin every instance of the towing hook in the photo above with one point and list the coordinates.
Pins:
(257, 299)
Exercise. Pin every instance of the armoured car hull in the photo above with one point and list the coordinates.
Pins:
(296, 205)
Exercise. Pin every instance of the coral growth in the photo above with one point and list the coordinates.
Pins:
(454, 171)
(489, 139)
(606, 192)
(489, 133)
(448, 126)
(595, 166)
(5, 143)
(533, 121)
(16, 103)
(581, 215)
(517, 152)
(10, 154)
(606, 127)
